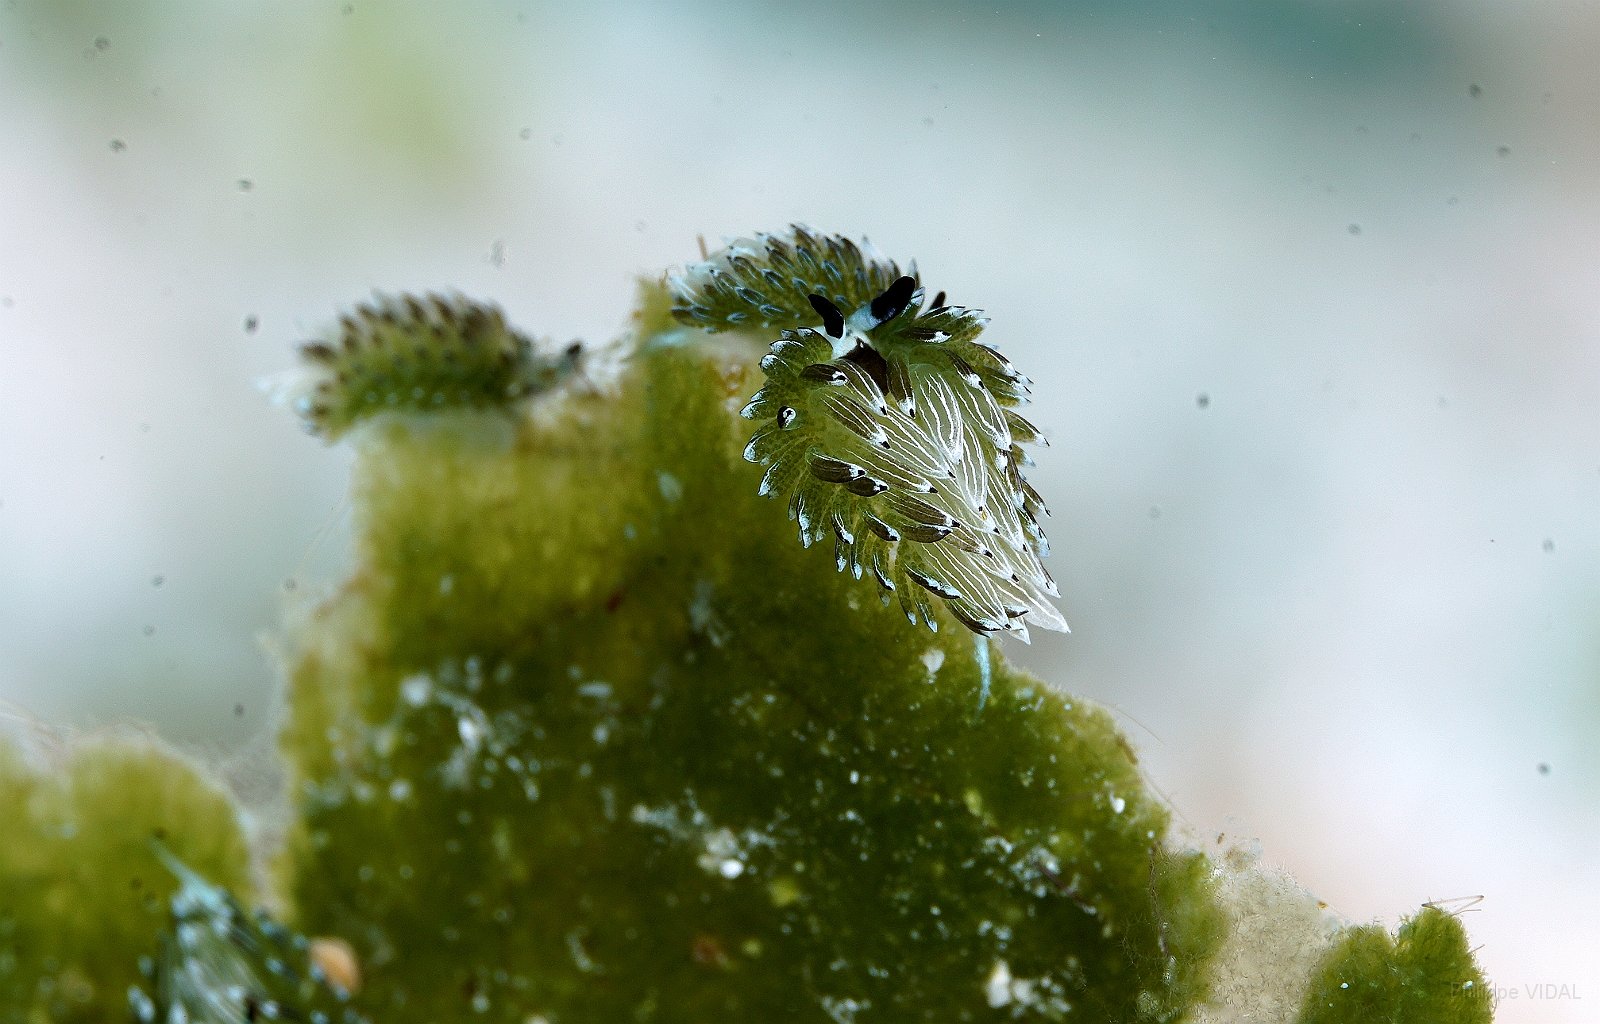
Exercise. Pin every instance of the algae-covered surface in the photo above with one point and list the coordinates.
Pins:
(1424, 972)
(588, 734)
(643, 756)
(83, 895)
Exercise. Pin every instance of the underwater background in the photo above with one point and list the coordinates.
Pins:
(1311, 295)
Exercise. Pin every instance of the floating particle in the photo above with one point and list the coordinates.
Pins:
(1544, 769)
(1155, 511)
(245, 184)
(1503, 150)
(671, 487)
(251, 323)
(1549, 545)
(102, 44)
(1354, 229)
(117, 145)
(156, 581)
(238, 711)
(1474, 91)
(1202, 400)
(149, 631)
(525, 134)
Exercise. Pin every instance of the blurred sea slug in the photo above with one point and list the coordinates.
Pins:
(220, 965)
(886, 424)
(409, 354)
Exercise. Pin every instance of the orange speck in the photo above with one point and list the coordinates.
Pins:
(338, 964)
(707, 950)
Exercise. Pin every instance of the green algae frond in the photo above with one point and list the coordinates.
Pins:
(1423, 973)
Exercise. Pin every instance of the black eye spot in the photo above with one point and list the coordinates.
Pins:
(832, 319)
(895, 298)
(869, 360)
(938, 301)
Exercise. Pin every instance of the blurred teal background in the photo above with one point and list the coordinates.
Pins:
(1311, 294)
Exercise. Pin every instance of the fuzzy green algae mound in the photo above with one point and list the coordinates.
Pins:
(82, 895)
(1423, 975)
(588, 737)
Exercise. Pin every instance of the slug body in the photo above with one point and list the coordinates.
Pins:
(888, 426)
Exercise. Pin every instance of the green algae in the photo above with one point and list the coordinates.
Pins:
(586, 736)
(1424, 974)
(82, 893)
(590, 737)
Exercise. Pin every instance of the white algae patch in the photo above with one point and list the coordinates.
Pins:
(722, 852)
(1277, 931)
